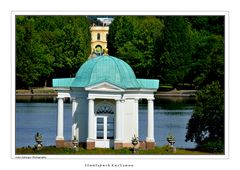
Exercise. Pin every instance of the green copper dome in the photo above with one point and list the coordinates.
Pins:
(105, 69)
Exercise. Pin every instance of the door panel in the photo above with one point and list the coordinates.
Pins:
(100, 128)
(110, 127)
(104, 131)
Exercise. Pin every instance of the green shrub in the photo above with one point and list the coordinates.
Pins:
(212, 146)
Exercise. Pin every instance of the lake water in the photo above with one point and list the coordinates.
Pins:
(39, 114)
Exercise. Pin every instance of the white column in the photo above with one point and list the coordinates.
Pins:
(118, 120)
(150, 131)
(60, 120)
(74, 119)
(91, 120)
(136, 116)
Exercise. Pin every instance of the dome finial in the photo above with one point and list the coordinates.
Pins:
(105, 52)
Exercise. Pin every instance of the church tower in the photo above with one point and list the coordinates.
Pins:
(99, 39)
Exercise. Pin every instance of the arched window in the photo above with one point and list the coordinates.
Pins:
(98, 36)
(105, 109)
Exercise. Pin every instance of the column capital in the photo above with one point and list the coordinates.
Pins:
(136, 99)
(150, 99)
(91, 98)
(122, 100)
(118, 100)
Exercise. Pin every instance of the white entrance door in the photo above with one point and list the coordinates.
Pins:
(104, 131)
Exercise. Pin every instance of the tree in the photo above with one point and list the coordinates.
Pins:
(133, 39)
(49, 47)
(208, 49)
(212, 24)
(31, 60)
(175, 50)
(207, 59)
(148, 32)
(120, 32)
(206, 126)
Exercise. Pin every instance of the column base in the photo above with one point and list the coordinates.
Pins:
(150, 145)
(90, 144)
(118, 145)
(59, 143)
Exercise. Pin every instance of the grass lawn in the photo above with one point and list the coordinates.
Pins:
(52, 150)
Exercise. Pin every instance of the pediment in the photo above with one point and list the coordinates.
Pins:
(104, 86)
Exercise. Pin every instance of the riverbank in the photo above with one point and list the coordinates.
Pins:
(49, 91)
(102, 151)
(45, 91)
(176, 93)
